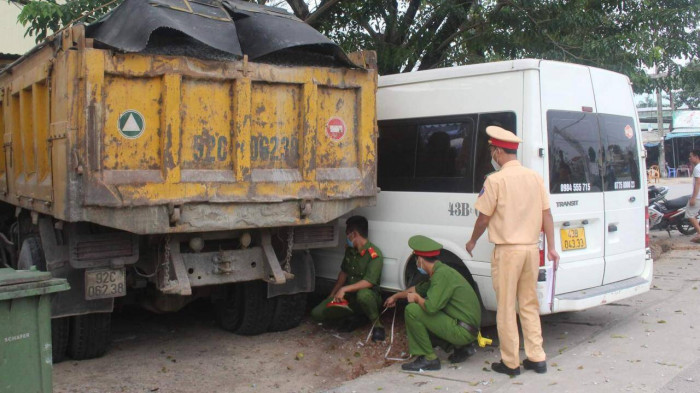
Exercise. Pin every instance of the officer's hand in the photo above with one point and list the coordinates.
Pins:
(470, 246)
(340, 295)
(412, 297)
(553, 255)
(390, 302)
(691, 202)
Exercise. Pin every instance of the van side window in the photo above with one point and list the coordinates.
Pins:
(444, 150)
(620, 148)
(482, 162)
(397, 156)
(426, 155)
(575, 152)
(444, 154)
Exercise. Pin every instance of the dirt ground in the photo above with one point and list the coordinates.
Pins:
(187, 352)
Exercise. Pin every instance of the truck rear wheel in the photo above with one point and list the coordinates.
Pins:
(89, 335)
(229, 308)
(60, 328)
(289, 310)
(246, 310)
(32, 255)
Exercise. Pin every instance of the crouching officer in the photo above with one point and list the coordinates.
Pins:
(358, 283)
(445, 306)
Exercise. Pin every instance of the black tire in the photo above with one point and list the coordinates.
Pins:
(289, 311)
(685, 227)
(247, 310)
(229, 308)
(60, 329)
(31, 254)
(89, 335)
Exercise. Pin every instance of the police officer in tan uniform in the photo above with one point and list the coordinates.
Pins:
(514, 205)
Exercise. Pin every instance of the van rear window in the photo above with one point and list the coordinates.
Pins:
(620, 147)
(574, 152)
(591, 152)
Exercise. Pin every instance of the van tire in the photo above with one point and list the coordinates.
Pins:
(289, 311)
(89, 335)
(60, 329)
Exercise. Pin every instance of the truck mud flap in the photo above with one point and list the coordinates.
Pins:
(56, 257)
(302, 267)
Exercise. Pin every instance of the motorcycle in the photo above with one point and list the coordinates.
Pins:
(668, 214)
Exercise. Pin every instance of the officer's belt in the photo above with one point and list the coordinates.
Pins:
(471, 329)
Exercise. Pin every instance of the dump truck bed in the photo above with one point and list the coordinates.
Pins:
(159, 144)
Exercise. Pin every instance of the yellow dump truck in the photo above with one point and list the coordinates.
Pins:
(163, 169)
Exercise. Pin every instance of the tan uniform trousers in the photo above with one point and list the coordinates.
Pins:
(514, 271)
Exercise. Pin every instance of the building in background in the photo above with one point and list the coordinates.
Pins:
(12, 39)
(682, 128)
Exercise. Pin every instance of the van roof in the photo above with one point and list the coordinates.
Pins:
(462, 71)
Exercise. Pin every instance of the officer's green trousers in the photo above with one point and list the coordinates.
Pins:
(365, 301)
(420, 325)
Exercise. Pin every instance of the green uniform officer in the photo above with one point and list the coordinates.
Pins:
(358, 282)
(445, 307)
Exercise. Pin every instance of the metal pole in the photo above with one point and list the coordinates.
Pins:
(662, 134)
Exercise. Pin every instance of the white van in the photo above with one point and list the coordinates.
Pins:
(580, 132)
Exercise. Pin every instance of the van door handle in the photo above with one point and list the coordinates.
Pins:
(632, 199)
(612, 228)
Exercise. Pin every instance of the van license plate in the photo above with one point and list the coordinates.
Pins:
(104, 283)
(573, 239)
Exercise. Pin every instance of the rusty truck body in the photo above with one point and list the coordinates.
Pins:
(160, 178)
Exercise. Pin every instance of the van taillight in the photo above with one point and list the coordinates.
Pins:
(646, 227)
(541, 245)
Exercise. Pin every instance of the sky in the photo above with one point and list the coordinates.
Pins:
(12, 39)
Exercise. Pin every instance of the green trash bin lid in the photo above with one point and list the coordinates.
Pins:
(11, 276)
(21, 283)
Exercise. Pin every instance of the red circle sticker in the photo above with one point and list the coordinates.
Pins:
(629, 133)
(335, 128)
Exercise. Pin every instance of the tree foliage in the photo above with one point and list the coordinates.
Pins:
(631, 37)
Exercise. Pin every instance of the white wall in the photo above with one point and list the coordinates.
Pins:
(12, 39)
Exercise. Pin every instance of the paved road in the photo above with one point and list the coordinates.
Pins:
(649, 343)
(678, 187)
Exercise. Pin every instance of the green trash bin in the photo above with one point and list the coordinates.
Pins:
(25, 330)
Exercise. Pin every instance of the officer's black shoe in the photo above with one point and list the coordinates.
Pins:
(461, 354)
(352, 322)
(422, 364)
(378, 334)
(503, 369)
(538, 367)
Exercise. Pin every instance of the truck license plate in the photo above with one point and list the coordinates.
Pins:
(573, 239)
(104, 283)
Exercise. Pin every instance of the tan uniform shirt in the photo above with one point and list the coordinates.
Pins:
(514, 198)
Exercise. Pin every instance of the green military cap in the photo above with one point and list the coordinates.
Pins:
(424, 246)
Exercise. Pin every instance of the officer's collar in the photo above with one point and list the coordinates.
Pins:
(511, 163)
